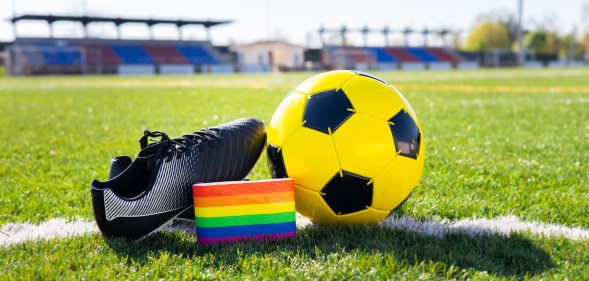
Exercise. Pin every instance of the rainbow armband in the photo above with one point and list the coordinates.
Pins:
(242, 210)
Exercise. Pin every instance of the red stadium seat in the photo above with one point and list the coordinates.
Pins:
(401, 55)
(99, 54)
(165, 54)
(444, 55)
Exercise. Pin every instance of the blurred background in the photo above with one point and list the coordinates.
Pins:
(187, 37)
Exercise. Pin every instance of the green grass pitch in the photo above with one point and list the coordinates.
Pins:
(498, 142)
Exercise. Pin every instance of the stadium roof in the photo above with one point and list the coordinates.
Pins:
(85, 20)
(118, 21)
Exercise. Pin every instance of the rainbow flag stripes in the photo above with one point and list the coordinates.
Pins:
(239, 210)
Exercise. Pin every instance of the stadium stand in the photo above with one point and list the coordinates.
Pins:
(413, 66)
(99, 54)
(348, 57)
(422, 54)
(176, 69)
(381, 55)
(164, 54)
(92, 55)
(389, 58)
(132, 54)
(401, 55)
(136, 69)
(357, 55)
(444, 55)
(42, 55)
(59, 55)
(197, 55)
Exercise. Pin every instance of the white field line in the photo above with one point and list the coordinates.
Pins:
(14, 233)
(504, 226)
(55, 228)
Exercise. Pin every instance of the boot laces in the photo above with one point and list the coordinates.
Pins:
(180, 145)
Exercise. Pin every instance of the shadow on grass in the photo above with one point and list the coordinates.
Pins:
(513, 256)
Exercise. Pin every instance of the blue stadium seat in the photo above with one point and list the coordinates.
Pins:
(380, 55)
(197, 55)
(59, 55)
(422, 54)
(132, 54)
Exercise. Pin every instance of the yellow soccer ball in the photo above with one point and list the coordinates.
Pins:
(352, 144)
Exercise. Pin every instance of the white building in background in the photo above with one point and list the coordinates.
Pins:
(264, 56)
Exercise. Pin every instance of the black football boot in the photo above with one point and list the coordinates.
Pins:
(143, 195)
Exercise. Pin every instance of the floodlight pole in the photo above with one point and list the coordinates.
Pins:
(51, 32)
(208, 30)
(14, 16)
(268, 21)
(520, 45)
(321, 32)
(118, 25)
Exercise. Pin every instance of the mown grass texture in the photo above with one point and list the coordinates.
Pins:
(498, 142)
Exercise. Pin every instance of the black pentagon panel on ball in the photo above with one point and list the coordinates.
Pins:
(327, 110)
(371, 76)
(406, 134)
(348, 193)
(276, 162)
